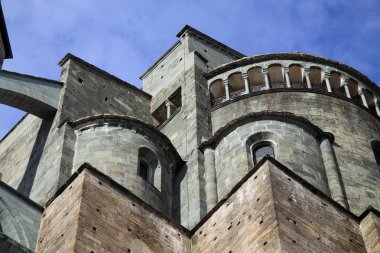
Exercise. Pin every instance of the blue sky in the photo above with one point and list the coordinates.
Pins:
(125, 37)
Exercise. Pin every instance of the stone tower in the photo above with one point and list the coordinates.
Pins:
(219, 152)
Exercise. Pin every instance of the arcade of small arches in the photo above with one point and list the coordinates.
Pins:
(289, 75)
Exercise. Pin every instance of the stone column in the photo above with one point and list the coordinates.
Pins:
(210, 178)
(286, 70)
(307, 76)
(328, 86)
(346, 89)
(168, 108)
(377, 102)
(362, 92)
(246, 84)
(227, 89)
(332, 171)
(266, 78)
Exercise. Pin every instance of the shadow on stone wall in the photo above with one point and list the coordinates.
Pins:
(27, 181)
(178, 179)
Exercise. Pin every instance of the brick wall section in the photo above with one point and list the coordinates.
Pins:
(309, 223)
(273, 212)
(59, 224)
(353, 128)
(246, 222)
(370, 227)
(106, 218)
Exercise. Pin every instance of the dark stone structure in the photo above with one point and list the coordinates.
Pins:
(218, 152)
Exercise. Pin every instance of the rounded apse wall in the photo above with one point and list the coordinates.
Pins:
(331, 95)
(294, 144)
(132, 154)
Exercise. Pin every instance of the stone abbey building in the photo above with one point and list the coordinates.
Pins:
(219, 152)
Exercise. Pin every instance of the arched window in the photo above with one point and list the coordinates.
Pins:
(259, 145)
(261, 151)
(147, 166)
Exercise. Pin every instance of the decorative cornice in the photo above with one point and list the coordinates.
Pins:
(293, 56)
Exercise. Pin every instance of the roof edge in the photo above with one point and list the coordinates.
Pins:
(7, 72)
(117, 186)
(188, 29)
(171, 49)
(192, 30)
(70, 56)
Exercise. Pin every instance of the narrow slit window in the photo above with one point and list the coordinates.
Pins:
(143, 171)
(377, 157)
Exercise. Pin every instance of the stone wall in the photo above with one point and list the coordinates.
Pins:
(90, 91)
(36, 157)
(10, 246)
(370, 226)
(214, 56)
(175, 129)
(19, 219)
(294, 146)
(93, 214)
(273, 210)
(114, 150)
(166, 70)
(353, 127)
(16, 150)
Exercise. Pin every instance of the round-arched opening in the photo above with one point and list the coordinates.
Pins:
(335, 80)
(147, 166)
(315, 77)
(276, 76)
(296, 74)
(217, 89)
(353, 87)
(256, 78)
(370, 98)
(236, 81)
